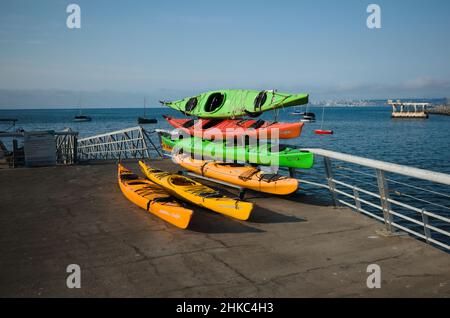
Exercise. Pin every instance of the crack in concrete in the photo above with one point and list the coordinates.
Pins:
(236, 271)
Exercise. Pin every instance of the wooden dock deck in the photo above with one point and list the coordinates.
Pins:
(297, 246)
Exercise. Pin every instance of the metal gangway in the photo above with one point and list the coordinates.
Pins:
(407, 200)
(128, 143)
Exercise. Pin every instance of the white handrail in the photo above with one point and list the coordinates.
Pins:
(433, 176)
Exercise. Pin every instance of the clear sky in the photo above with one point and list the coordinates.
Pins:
(170, 49)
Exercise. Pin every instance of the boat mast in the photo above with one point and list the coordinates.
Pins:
(79, 106)
(145, 102)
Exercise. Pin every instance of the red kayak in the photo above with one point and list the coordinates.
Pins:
(207, 128)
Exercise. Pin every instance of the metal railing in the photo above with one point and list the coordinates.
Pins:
(127, 143)
(66, 147)
(366, 186)
(406, 205)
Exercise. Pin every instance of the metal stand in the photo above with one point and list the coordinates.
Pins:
(242, 191)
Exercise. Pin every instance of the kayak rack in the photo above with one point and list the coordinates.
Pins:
(242, 191)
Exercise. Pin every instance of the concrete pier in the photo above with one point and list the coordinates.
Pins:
(296, 246)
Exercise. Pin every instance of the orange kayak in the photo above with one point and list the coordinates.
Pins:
(240, 175)
(230, 128)
(152, 198)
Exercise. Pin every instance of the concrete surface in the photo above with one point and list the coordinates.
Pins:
(292, 247)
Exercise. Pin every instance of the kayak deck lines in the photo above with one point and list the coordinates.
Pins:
(240, 175)
(152, 198)
(194, 192)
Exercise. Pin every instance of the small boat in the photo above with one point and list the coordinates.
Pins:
(235, 103)
(82, 118)
(240, 175)
(306, 116)
(323, 132)
(153, 198)
(145, 120)
(265, 154)
(229, 128)
(197, 193)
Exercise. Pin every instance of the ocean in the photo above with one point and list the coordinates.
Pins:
(362, 131)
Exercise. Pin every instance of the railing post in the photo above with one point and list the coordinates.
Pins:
(426, 230)
(384, 197)
(357, 202)
(292, 172)
(331, 184)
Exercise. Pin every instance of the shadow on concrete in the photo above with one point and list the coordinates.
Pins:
(308, 199)
(266, 216)
(207, 222)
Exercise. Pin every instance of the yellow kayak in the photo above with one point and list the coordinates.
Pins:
(153, 198)
(197, 193)
(240, 175)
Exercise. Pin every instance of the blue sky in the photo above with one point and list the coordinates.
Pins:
(169, 49)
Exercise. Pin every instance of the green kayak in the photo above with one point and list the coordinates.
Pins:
(262, 154)
(235, 103)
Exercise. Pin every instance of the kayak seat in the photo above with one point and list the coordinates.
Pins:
(189, 123)
(180, 181)
(214, 101)
(129, 176)
(137, 182)
(211, 123)
(249, 174)
(271, 177)
(257, 124)
(191, 104)
(260, 100)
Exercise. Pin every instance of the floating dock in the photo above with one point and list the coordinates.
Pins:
(296, 246)
(409, 110)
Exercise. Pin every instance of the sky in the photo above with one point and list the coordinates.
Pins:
(128, 50)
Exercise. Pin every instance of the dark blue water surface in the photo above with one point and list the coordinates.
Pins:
(363, 131)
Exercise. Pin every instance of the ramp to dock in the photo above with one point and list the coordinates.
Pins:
(297, 246)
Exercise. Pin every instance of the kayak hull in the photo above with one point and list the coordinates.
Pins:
(236, 103)
(230, 128)
(240, 175)
(194, 192)
(153, 198)
(262, 154)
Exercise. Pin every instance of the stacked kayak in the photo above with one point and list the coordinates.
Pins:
(229, 128)
(152, 198)
(262, 154)
(197, 193)
(240, 175)
(230, 104)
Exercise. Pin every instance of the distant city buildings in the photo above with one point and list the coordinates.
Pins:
(371, 102)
